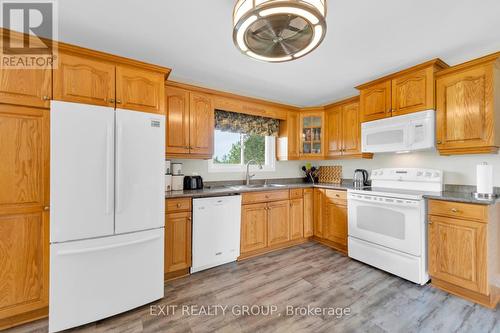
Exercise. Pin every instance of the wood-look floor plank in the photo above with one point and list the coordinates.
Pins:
(307, 274)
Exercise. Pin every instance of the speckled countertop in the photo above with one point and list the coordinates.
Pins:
(221, 190)
(455, 193)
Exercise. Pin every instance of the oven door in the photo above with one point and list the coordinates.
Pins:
(391, 222)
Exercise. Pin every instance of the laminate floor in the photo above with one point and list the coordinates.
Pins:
(350, 296)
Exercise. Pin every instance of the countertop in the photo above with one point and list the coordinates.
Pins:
(464, 196)
(227, 190)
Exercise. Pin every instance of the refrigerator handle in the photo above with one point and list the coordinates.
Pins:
(109, 166)
(119, 136)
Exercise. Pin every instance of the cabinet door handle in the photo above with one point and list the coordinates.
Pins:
(46, 208)
(439, 142)
(118, 101)
(46, 98)
(189, 219)
(178, 205)
(111, 100)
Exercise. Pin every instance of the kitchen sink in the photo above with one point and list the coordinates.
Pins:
(242, 187)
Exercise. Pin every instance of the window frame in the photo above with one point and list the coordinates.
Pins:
(269, 166)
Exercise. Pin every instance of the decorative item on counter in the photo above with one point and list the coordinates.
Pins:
(484, 179)
(311, 173)
(330, 174)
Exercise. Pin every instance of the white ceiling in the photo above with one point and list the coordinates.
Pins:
(365, 39)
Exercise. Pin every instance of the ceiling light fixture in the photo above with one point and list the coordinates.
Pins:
(278, 30)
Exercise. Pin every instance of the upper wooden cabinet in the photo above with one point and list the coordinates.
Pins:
(468, 108)
(29, 87)
(201, 124)
(81, 78)
(408, 91)
(140, 90)
(86, 80)
(343, 130)
(177, 107)
(288, 138)
(376, 101)
(312, 134)
(190, 123)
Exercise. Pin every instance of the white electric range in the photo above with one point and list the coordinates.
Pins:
(387, 221)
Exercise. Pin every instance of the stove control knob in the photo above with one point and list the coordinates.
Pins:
(419, 173)
(436, 174)
(428, 174)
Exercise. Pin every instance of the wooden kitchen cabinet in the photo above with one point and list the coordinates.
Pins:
(330, 218)
(343, 133)
(178, 233)
(308, 212)
(407, 91)
(28, 87)
(253, 227)
(312, 134)
(278, 224)
(296, 218)
(288, 138)
(335, 220)
(319, 195)
(82, 79)
(100, 79)
(24, 214)
(190, 124)
(202, 124)
(462, 238)
(271, 220)
(140, 90)
(375, 101)
(467, 113)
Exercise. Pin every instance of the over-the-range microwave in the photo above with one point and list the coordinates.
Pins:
(411, 132)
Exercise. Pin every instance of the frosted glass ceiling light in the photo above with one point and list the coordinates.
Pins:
(278, 30)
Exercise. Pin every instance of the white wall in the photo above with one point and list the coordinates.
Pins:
(459, 169)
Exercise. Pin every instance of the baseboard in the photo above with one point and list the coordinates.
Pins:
(24, 318)
(256, 253)
(489, 301)
(176, 275)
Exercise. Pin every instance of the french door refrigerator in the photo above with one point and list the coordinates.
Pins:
(107, 212)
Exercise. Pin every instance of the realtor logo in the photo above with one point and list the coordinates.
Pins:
(29, 27)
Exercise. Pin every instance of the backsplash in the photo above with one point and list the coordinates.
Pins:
(458, 169)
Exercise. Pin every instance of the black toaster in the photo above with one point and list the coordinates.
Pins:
(193, 183)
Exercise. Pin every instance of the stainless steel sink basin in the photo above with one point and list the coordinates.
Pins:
(242, 187)
(275, 185)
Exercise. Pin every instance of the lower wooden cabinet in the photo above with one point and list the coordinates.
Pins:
(296, 218)
(270, 220)
(253, 227)
(461, 239)
(178, 231)
(330, 218)
(278, 224)
(308, 212)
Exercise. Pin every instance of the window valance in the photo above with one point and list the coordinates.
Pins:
(243, 123)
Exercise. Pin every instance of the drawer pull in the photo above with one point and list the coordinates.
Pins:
(454, 210)
(178, 205)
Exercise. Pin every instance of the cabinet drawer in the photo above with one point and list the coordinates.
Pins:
(178, 205)
(459, 210)
(254, 197)
(339, 197)
(296, 193)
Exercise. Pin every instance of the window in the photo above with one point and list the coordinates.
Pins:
(233, 150)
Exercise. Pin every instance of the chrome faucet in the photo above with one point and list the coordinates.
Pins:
(248, 175)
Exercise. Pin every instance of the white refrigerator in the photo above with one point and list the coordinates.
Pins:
(107, 212)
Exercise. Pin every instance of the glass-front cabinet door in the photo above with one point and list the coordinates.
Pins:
(312, 134)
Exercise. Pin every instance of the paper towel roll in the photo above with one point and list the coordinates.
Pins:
(484, 178)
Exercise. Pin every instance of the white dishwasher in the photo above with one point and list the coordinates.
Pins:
(216, 231)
